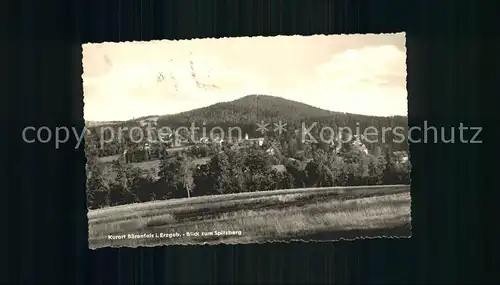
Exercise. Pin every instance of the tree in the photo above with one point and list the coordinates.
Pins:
(287, 181)
(144, 189)
(176, 176)
(204, 180)
(335, 165)
(258, 171)
(186, 175)
(221, 168)
(121, 190)
(292, 147)
(363, 170)
(389, 172)
(346, 144)
(297, 169)
(97, 191)
(403, 170)
(376, 166)
(318, 171)
(256, 160)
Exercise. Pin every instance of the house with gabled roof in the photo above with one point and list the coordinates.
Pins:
(401, 156)
(273, 149)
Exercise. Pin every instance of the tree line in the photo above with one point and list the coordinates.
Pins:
(241, 167)
(294, 132)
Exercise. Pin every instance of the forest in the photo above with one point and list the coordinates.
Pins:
(235, 168)
(284, 161)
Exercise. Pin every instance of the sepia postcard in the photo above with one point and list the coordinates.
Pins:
(246, 140)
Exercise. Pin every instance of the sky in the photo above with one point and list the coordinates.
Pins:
(363, 74)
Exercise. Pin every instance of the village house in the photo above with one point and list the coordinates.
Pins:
(259, 141)
(358, 144)
(152, 121)
(204, 140)
(273, 149)
(401, 156)
(218, 140)
(166, 138)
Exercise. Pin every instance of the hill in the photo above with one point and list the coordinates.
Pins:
(250, 109)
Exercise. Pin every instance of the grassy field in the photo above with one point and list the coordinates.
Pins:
(111, 158)
(293, 214)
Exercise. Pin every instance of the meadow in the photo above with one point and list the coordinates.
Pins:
(281, 215)
(152, 167)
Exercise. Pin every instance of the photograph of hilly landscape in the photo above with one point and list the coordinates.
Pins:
(246, 140)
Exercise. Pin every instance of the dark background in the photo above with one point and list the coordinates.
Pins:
(45, 241)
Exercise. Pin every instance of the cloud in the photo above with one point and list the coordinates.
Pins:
(369, 64)
(359, 74)
(369, 80)
(165, 86)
